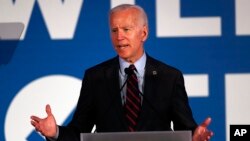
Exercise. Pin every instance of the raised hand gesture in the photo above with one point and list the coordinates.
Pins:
(46, 126)
(202, 133)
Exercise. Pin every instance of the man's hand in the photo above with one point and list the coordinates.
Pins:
(46, 126)
(201, 133)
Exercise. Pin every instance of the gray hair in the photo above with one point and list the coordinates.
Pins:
(142, 13)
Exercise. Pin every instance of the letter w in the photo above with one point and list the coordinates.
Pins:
(61, 17)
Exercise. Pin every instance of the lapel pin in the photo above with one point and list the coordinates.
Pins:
(154, 72)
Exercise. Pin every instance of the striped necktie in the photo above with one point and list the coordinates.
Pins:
(132, 106)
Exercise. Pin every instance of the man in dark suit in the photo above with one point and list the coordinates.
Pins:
(161, 92)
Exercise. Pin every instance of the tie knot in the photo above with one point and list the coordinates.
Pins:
(132, 67)
(130, 70)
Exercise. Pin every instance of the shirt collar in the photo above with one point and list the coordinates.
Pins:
(139, 64)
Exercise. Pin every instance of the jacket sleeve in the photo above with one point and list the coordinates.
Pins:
(83, 119)
(182, 114)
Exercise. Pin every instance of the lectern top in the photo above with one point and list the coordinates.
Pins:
(138, 136)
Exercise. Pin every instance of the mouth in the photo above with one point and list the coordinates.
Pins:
(122, 46)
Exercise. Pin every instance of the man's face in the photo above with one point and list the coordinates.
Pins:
(128, 34)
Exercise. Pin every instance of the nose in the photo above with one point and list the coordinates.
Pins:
(120, 35)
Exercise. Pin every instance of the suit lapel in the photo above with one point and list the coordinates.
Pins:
(150, 83)
(112, 77)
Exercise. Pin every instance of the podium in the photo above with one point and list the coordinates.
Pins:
(138, 136)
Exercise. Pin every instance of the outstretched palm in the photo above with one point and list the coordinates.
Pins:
(46, 126)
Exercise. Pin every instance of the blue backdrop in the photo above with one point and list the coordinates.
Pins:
(36, 71)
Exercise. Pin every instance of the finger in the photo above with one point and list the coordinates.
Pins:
(36, 125)
(35, 118)
(207, 122)
(48, 110)
(33, 123)
(208, 135)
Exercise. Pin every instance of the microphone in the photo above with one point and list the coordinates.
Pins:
(128, 71)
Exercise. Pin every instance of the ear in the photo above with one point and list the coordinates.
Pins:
(144, 33)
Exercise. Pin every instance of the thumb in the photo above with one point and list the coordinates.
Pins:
(48, 110)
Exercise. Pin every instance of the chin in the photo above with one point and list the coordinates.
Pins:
(123, 55)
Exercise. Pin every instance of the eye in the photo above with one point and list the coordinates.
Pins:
(114, 30)
(126, 29)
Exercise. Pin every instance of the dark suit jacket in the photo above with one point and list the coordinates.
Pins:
(164, 100)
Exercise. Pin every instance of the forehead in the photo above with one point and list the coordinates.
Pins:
(124, 16)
